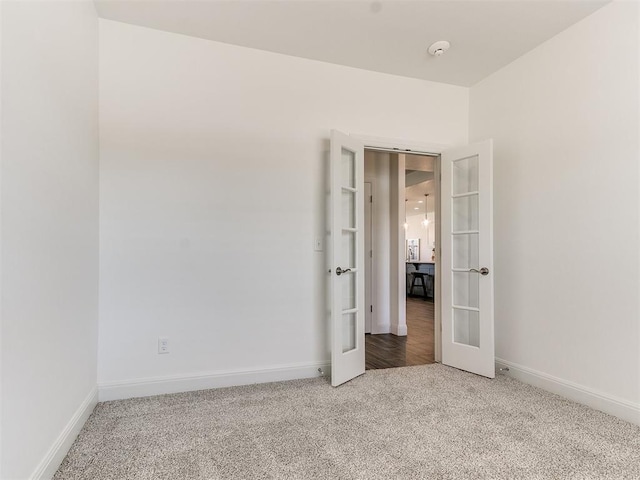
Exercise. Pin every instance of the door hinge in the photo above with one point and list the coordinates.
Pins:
(370, 198)
(371, 308)
(370, 253)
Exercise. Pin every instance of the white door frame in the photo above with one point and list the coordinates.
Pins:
(397, 257)
(412, 147)
(368, 255)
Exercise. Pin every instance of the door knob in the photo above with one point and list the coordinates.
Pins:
(482, 271)
(340, 271)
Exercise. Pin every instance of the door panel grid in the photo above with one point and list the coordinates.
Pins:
(467, 310)
(347, 258)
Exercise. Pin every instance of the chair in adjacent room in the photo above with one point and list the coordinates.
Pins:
(422, 277)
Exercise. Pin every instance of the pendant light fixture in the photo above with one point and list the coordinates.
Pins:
(405, 225)
(425, 222)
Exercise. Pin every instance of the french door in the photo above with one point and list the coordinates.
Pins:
(346, 258)
(467, 258)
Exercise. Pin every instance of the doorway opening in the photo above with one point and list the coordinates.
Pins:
(401, 227)
(463, 290)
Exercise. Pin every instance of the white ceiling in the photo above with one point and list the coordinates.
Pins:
(390, 36)
(416, 201)
(419, 180)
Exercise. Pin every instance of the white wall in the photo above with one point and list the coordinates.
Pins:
(212, 179)
(564, 118)
(397, 265)
(376, 170)
(49, 225)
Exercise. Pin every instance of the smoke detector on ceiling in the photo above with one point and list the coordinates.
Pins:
(439, 48)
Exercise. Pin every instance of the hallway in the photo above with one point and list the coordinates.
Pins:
(417, 348)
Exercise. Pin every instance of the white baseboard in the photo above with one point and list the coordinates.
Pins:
(381, 328)
(604, 402)
(145, 387)
(52, 460)
(399, 330)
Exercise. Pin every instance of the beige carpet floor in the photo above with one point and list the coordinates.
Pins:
(426, 422)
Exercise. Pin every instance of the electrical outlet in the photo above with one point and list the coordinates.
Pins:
(317, 244)
(163, 345)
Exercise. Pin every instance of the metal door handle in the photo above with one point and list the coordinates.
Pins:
(340, 271)
(482, 271)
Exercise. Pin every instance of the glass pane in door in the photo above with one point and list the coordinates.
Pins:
(348, 254)
(465, 249)
(466, 327)
(348, 209)
(348, 168)
(465, 175)
(465, 213)
(348, 287)
(347, 280)
(466, 289)
(348, 332)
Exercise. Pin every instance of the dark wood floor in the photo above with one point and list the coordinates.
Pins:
(387, 350)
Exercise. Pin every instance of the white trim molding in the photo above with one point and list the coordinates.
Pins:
(146, 387)
(54, 457)
(401, 145)
(604, 402)
(378, 328)
(399, 330)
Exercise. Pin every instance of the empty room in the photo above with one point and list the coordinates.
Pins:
(212, 212)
